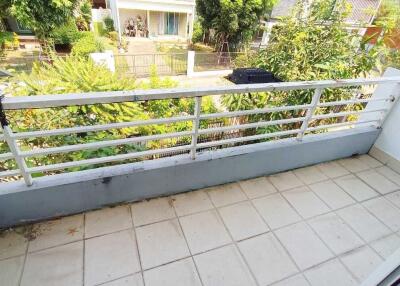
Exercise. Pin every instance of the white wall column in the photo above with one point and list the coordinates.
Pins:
(148, 22)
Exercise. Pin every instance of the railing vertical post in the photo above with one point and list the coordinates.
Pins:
(12, 144)
(310, 112)
(196, 124)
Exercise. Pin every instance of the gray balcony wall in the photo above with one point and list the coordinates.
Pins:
(71, 193)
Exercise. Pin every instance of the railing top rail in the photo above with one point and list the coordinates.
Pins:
(57, 100)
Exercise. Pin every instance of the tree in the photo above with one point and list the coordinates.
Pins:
(43, 16)
(234, 21)
(316, 48)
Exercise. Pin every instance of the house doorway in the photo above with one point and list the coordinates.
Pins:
(171, 23)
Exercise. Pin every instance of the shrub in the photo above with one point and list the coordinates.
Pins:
(77, 74)
(113, 36)
(99, 28)
(88, 44)
(109, 22)
(197, 32)
(5, 38)
(66, 34)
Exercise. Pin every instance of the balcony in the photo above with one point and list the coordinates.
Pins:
(331, 223)
(304, 205)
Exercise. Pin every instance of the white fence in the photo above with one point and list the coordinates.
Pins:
(312, 119)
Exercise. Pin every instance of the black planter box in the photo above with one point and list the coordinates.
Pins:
(251, 75)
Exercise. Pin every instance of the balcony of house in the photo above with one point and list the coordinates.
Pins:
(279, 195)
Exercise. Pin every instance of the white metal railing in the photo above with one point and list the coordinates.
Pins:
(49, 101)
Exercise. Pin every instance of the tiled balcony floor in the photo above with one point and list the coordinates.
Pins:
(329, 224)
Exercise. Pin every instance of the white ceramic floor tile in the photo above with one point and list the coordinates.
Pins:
(335, 233)
(297, 280)
(179, 273)
(226, 194)
(361, 262)
(394, 198)
(12, 243)
(332, 169)
(191, 202)
(370, 161)
(56, 232)
(276, 211)
(305, 202)
(353, 164)
(378, 181)
(161, 243)
(303, 245)
(110, 256)
(385, 212)
(386, 246)
(298, 238)
(258, 187)
(61, 266)
(107, 220)
(242, 220)
(267, 259)
(132, 280)
(310, 175)
(152, 211)
(356, 188)
(332, 194)
(285, 181)
(204, 231)
(223, 266)
(331, 273)
(11, 270)
(364, 223)
(390, 174)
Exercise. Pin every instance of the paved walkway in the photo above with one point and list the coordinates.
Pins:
(329, 224)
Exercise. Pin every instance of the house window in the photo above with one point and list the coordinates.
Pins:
(171, 26)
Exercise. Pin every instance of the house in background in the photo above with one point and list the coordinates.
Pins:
(161, 19)
(361, 16)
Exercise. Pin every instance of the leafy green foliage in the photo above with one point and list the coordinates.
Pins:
(316, 48)
(43, 16)
(88, 44)
(236, 21)
(109, 23)
(83, 15)
(198, 31)
(78, 74)
(66, 34)
(5, 37)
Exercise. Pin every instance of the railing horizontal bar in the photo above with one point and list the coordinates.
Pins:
(6, 156)
(56, 100)
(253, 111)
(107, 159)
(247, 138)
(10, 173)
(101, 144)
(339, 114)
(339, 125)
(80, 129)
(250, 125)
(348, 102)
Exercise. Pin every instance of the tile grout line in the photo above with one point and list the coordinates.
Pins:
(304, 220)
(232, 239)
(187, 244)
(24, 263)
(136, 243)
(84, 250)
